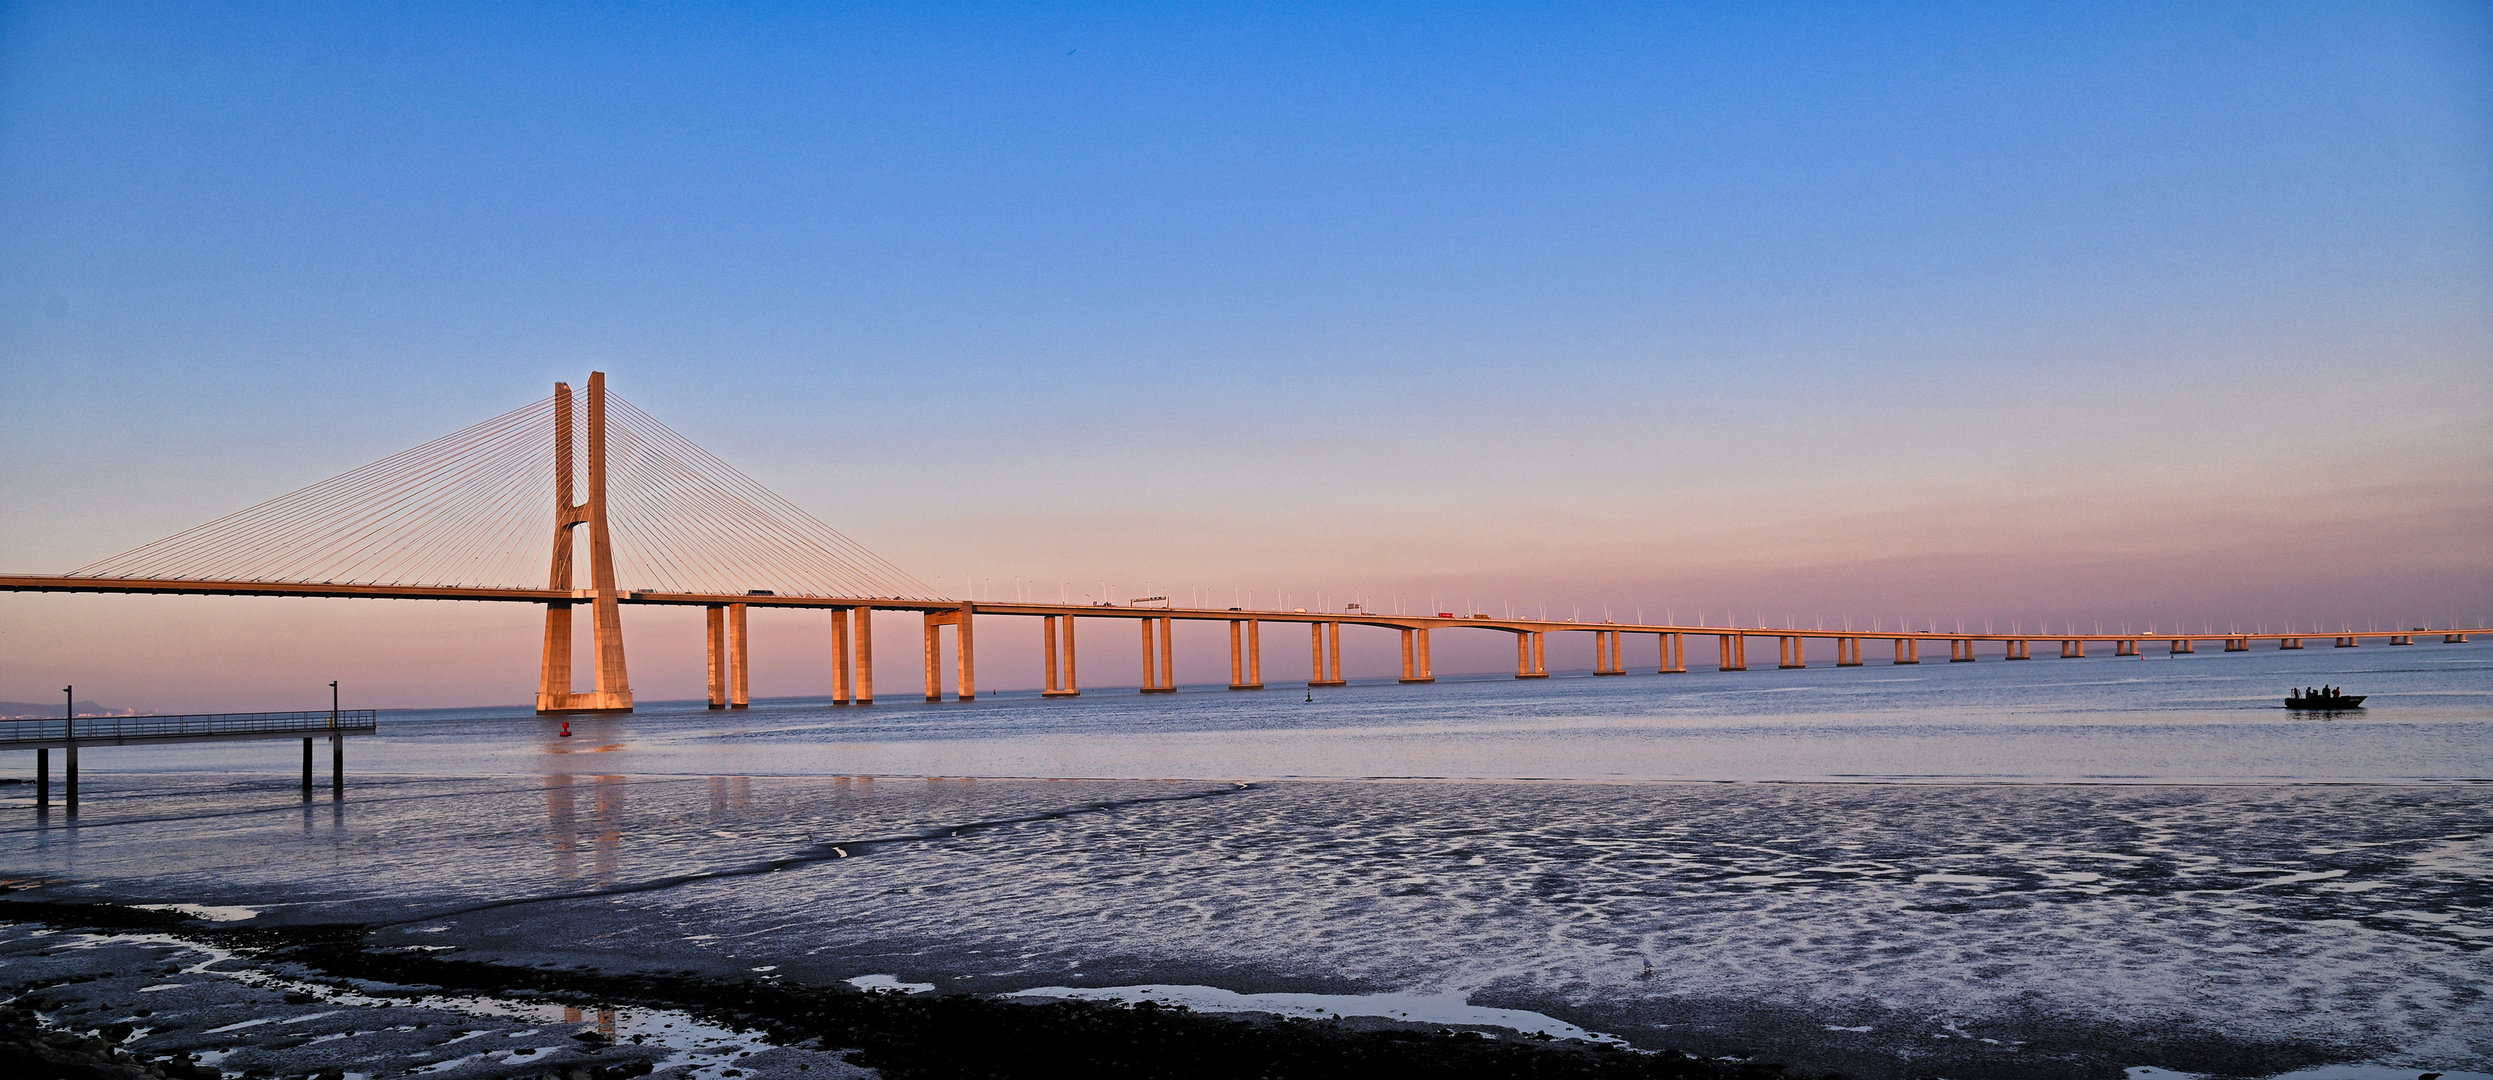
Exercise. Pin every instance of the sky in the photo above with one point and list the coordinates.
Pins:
(2002, 313)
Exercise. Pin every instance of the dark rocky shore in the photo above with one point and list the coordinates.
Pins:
(58, 1026)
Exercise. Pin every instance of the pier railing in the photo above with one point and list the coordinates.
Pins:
(109, 730)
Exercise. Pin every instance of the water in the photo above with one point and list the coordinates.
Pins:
(1999, 869)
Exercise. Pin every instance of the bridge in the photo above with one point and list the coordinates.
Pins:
(476, 514)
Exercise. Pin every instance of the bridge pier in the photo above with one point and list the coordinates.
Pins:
(1415, 665)
(1530, 657)
(1246, 655)
(2183, 645)
(839, 656)
(1960, 651)
(2402, 639)
(2289, 643)
(1674, 654)
(2020, 649)
(337, 766)
(2237, 644)
(1060, 669)
(43, 774)
(2073, 649)
(2454, 639)
(865, 656)
(307, 770)
(1162, 679)
(740, 688)
(1792, 653)
(1733, 652)
(1609, 653)
(717, 637)
(2349, 643)
(1908, 650)
(1847, 652)
(1324, 673)
(965, 649)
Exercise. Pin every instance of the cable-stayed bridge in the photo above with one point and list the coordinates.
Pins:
(584, 500)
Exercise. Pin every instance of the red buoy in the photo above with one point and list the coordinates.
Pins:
(566, 729)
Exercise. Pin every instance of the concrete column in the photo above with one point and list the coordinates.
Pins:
(1237, 655)
(1523, 656)
(1674, 654)
(2183, 645)
(1333, 653)
(718, 656)
(1047, 633)
(337, 766)
(1540, 654)
(738, 652)
(839, 657)
(1255, 653)
(2125, 647)
(965, 642)
(307, 770)
(934, 658)
(1407, 674)
(865, 656)
(1060, 680)
(2349, 643)
(69, 776)
(2291, 643)
(43, 774)
(1727, 650)
(1428, 663)
(1168, 655)
(1315, 654)
(1151, 670)
(1793, 654)
(2237, 644)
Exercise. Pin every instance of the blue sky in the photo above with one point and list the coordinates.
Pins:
(2085, 310)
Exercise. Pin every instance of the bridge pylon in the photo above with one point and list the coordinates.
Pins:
(614, 685)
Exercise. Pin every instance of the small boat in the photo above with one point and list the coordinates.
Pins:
(2332, 699)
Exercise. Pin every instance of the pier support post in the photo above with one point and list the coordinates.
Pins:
(2182, 645)
(839, 656)
(43, 774)
(1326, 654)
(1407, 648)
(2237, 644)
(1246, 655)
(69, 776)
(740, 691)
(1060, 667)
(2349, 643)
(1163, 678)
(337, 766)
(1792, 654)
(307, 770)
(1255, 653)
(1674, 654)
(865, 656)
(718, 656)
(965, 642)
(2289, 643)
(934, 659)
(1731, 652)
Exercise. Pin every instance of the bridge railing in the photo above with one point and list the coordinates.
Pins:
(114, 728)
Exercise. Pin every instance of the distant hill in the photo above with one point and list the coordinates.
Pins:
(23, 710)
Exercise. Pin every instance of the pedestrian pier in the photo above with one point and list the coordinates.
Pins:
(69, 733)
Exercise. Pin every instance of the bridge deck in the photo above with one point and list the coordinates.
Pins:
(216, 727)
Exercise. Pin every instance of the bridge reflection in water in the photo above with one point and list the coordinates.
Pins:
(667, 524)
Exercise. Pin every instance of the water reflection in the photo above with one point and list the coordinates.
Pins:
(563, 833)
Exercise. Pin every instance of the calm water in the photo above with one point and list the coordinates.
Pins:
(1999, 868)
(2205, 718)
